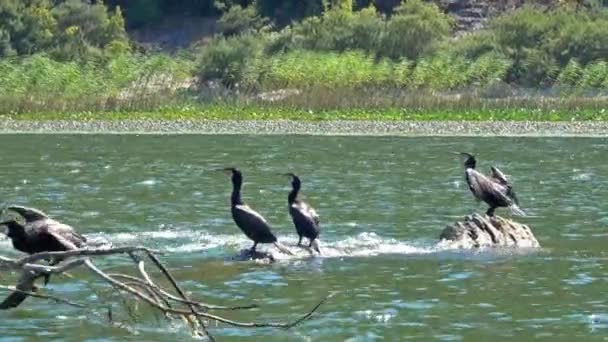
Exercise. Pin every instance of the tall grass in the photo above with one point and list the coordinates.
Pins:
(320, 82)
(38, 83)
(355, 69)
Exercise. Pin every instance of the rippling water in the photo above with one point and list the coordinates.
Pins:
(382, 202)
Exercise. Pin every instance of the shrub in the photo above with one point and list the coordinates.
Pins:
(594, 75)
(541, 41)
(414, 29)
(571, 74)
(72, 29)
(410, 33)
(226, 59)
(441, 72)
(239, 20)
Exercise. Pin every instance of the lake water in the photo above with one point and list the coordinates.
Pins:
(382, 201)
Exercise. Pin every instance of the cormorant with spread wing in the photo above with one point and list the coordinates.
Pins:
(495, 190)
(304, 217)
(248, 220)
(39, 234)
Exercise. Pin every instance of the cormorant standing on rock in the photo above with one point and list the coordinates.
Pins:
(39, 234)
(248, 220)
(496, 190)
(304, 217)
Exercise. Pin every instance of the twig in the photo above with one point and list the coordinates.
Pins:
(182, 301)
(204, 314)
(84, 252)
(144, 288)
(179, 290)
(38, 295)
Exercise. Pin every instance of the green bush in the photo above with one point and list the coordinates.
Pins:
(414, 29)
(540, 42)
(411, 32)
(226, 59)
(70, 30)
(238, 20)
(594, 75)
(570, 75)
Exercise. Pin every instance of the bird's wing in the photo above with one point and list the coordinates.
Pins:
(481, 185)
(29, 214)
(306, 212)
(256, 224)
(64, 234)
(26, 283)
(500, 177)
(503, 180)
(246, 210)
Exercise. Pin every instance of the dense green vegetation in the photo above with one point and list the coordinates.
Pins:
(340, 58)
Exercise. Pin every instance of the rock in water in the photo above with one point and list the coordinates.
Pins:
(482, 231)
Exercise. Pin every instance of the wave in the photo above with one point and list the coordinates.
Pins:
(236, 246)
(189, 241)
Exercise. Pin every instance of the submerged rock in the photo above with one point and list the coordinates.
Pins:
(482, 231)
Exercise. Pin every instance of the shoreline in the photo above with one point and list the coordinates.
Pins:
(330, 128)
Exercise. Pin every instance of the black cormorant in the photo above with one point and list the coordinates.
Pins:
(304, 217)
(495, 190)
(248, 220)
(39, 234)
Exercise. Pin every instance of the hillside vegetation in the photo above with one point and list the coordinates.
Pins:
(76, 55)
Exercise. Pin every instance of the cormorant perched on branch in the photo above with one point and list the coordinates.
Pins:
(248, 220)
(495, 190)
(39, 234)
(304, 217)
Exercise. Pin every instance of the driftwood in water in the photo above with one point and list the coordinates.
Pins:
(482, 231)
(139, 286)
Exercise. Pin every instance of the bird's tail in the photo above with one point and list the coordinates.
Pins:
(282, 248)
(517, 210)
(315, 246)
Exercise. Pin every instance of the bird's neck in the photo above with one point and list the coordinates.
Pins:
(293, 194)
(235, 198)
(470, 163)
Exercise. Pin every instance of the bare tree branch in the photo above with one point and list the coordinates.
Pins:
(143, 288)
(43, 296)
(170, 296)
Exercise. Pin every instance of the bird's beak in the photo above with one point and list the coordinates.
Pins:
(463, 154)
(288, 174)
(226, 170)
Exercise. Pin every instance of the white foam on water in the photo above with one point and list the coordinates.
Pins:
(149, 182)
(189, 241)
(367, 244)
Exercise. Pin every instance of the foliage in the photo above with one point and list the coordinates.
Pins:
(239, 20)
(72, 29)
(414, 29)
(411, 32)
(356, 69)
(226, 59)
(285, 12)
(540, 42)
(149, 12)
(40, 82)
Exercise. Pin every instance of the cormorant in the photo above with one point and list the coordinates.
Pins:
(304, 217)
(495, 190)
(39, 234)
(248, 220)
